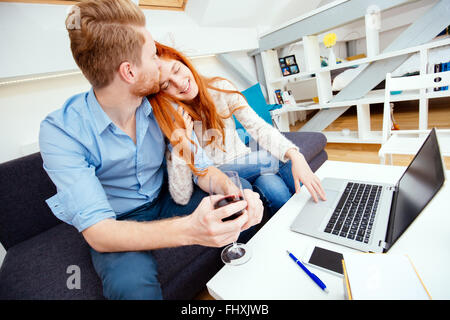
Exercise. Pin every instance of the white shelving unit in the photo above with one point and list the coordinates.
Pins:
(322, 75)
(364, 134)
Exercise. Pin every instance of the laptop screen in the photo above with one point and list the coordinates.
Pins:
(419, 183)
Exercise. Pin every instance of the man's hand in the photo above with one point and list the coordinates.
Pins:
(207, 227)
(255, 209)
(204, 227)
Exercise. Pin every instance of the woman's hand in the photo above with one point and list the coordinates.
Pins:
(188, 123)
(301, 172)
(181, 135)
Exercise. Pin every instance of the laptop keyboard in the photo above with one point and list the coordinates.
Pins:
(355, 213)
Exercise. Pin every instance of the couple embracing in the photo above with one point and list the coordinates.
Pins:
(132, 158)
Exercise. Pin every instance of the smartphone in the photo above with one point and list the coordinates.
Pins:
(325, 260)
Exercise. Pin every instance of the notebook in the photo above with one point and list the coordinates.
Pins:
(378, 276)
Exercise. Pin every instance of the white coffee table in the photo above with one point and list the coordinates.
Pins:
(271, 274)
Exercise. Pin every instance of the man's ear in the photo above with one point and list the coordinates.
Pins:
(126, 72)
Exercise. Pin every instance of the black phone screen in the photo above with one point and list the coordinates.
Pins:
(327, 259)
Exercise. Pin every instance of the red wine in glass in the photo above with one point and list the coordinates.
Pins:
(235, 253)
(228, 200)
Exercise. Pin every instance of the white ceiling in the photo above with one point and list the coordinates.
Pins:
(267, 14)
(248, 13)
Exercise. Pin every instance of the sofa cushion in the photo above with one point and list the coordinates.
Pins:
(184, 271)
(172, 261)
(192, 279)
(257, 102)
(37, 268)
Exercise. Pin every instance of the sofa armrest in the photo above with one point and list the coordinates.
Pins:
(25, 187)
(309, 143)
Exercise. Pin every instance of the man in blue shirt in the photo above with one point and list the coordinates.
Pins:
(104, 152)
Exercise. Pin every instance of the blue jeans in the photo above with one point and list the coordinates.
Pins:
(133, 275)
(271, 178)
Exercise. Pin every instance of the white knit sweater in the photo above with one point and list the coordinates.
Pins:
(269, 138)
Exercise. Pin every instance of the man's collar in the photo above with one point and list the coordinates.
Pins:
(146, 106)
(102, 120)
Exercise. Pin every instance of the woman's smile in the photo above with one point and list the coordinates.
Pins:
(187, 88)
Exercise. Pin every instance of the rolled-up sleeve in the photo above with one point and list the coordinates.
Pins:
(80, 199)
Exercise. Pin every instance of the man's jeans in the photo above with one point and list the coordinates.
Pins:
(133, 275)
(271, 178)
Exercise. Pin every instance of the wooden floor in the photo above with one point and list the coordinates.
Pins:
(406, 115)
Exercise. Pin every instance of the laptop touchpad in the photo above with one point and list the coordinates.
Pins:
(332, 197)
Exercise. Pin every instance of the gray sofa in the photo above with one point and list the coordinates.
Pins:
(40, 248)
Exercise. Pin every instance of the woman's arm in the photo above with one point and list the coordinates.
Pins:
(222, 184)
(266, 135)
(179, 174)
(278, 145)
(302, 172)
(180, 181)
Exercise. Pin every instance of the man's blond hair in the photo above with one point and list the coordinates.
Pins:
(103, 34)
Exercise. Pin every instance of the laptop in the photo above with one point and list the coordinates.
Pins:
(371, 216)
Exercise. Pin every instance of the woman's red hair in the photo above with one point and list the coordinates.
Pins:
(202, 108)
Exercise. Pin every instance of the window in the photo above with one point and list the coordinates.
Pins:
(163, 4)
(144, 4)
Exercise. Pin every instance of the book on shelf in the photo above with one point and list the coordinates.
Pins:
(278, 96)
(441, 67)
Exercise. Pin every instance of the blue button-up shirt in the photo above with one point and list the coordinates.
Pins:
(98, 170)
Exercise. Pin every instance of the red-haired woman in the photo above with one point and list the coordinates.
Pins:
(207, 106)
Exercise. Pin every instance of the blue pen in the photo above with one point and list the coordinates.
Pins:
(309, 273)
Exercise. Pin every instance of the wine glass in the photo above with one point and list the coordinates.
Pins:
(235, 253)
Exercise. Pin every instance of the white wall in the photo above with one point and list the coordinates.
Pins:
(35, 40)
(23, 106)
